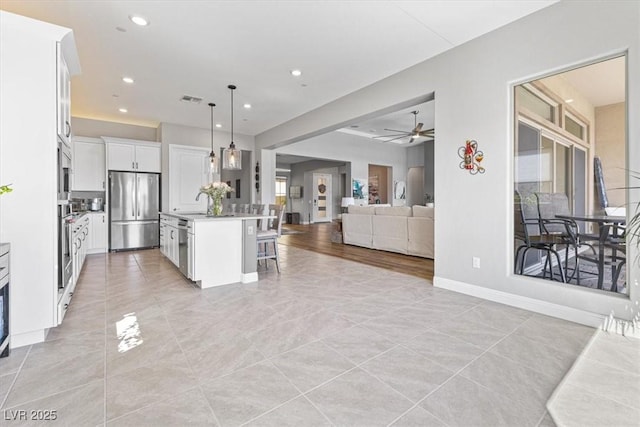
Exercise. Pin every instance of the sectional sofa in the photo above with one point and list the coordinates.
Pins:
(402, 229)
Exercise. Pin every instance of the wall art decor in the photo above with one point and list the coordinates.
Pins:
(374, 189)
(359, 188)
(471, 157)
(399, 190)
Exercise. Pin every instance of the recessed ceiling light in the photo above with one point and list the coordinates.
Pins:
(123, 110)
(247, 106)
(568, 101)
(296, 73)
(139, 20)
(218, 125)
(127, 80)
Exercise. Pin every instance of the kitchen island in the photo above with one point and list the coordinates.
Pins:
(211, 251)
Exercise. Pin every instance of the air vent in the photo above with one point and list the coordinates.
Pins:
(192, 99)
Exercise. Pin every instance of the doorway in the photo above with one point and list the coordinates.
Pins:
(322, 205)
(379, 184)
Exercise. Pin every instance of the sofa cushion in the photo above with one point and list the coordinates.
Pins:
(390, 233)
(393, 211)
(420, 233)
(422, 211)
(362, 210)
(357, 229)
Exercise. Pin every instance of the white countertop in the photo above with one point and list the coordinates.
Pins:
(202, 216)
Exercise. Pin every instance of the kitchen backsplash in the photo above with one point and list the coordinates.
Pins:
(87, 194)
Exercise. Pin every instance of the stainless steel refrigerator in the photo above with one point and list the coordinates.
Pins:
(134, 204)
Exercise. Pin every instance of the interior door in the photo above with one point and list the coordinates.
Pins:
(188, 170)
(322, 199)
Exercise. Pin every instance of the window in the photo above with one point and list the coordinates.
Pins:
(281, 190)
(575, 127)
(562, 123)
(536, 103)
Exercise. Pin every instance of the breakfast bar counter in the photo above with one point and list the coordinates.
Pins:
(211, 250)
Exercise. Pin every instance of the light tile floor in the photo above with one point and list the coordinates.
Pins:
(327, 342)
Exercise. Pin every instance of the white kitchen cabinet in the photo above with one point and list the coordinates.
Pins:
(80, 240)
(148, 158)
(163, 242)
(29, 140)
(97, 243)
(169, 243)
(134, 156)
(88, 164)
(63, 95)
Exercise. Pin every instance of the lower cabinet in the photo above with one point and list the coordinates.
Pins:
(169, 239)
(80, 238)
(97, 243)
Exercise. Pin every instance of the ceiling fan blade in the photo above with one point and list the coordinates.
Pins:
(428, 132)
(418, 128)
(398, 137)
(412, 139)
(396, 130)
(393, 134)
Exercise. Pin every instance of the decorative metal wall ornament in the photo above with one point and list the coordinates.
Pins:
(471, 157)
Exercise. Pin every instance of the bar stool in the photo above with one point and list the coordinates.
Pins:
(270, 236)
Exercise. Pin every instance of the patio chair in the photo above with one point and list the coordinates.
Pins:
(533, 236)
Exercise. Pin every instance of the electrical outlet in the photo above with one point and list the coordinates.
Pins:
(476, 262)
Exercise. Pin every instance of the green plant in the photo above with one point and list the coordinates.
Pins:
(5, 189)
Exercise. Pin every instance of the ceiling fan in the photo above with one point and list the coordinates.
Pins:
(416, 133)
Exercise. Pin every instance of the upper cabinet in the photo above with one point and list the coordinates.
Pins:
(88, 164)
(63, 95)
(131, 155)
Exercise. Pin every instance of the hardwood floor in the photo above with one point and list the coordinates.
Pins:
(317, 238)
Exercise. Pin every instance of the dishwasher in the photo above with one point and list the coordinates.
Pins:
(185, 248)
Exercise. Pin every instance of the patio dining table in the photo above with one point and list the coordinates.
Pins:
(603, 233)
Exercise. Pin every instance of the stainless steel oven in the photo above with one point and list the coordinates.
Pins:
(65, 259)
(64, 171)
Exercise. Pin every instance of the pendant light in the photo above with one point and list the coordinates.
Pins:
(214, 165)
(232, 157)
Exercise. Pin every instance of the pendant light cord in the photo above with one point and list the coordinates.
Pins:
(232, 116)
(212, 105)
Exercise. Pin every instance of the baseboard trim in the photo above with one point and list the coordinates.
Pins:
(249, 277)
(26, 338)
(538, 306)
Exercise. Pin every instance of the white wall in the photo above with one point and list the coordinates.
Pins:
(302, 174)
(360, 152)
(169, 133)
(97, 128)
(473, 88)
